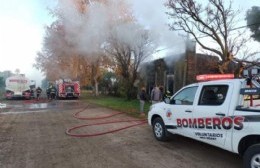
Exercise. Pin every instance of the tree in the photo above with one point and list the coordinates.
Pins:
(57, 58)
(213, 20)
(252, 18)
(76, 41)
(129, 50)
(109, 83)
(2, 82)
(60, 56)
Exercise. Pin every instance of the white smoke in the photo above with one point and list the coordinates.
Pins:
(88, 31)
(152, 14)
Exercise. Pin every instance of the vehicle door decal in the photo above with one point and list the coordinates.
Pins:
(219, 123)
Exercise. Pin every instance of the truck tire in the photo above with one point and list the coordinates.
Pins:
(251, 158)
(159, 130)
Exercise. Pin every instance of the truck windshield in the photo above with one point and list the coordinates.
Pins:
(185, 97)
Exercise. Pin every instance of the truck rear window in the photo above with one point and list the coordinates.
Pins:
(213, 95)
(250, 99)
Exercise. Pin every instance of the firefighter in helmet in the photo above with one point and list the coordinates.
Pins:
(167, 94)
(38, 92)
(51, 91)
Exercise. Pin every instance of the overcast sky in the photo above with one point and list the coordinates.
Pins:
(21, 31)
(22, 28)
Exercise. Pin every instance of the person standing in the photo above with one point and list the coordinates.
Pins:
(156, 95)
(142, 101)
(38, 92)
(48, 91)
(53, 91)
(162, 92)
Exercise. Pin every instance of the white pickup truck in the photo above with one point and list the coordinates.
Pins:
(224, 113)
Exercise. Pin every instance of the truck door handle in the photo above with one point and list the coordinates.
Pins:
(188, 111)
(220, 114)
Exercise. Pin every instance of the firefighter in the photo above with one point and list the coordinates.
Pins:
(32, 93)
(167, 94)
(48, 93)
(52, 91)
(38, 92)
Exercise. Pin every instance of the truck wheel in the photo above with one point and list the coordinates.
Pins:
(159, 130)
(251, 158)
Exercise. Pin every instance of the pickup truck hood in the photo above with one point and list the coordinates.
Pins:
(157, 105)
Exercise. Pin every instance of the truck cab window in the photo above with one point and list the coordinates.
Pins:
(185, 97)
(247, 98)
(213, 95)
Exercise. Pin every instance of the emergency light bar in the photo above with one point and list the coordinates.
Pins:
(209, 77)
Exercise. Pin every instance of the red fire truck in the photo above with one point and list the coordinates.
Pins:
(67, 88)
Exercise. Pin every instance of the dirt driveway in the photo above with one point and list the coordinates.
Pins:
(35, 138)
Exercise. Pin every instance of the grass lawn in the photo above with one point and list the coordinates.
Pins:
(130, 107)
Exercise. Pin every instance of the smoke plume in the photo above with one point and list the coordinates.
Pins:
(88, 30)
(151, 13)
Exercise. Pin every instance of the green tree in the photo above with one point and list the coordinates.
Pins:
(253, 22)
(109, 83)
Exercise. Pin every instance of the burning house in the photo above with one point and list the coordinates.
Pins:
(175, 71)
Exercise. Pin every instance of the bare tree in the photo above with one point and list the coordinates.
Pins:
(129, 50)
(215, 20)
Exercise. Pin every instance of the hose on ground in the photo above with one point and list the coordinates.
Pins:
(76, 115)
